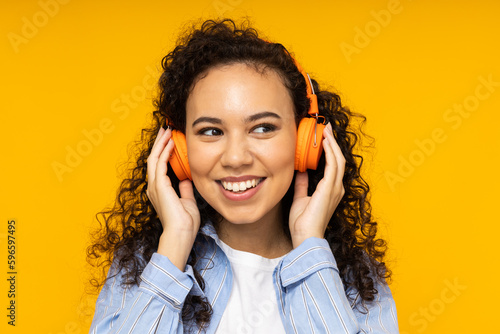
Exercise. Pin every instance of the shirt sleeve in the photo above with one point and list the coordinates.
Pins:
(153, 306)
(311, 296)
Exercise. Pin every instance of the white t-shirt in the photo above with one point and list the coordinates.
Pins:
(252, 307)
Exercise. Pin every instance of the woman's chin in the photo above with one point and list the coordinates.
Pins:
(239, 220)
(248, 217)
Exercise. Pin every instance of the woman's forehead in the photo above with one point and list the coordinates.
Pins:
(238, 89)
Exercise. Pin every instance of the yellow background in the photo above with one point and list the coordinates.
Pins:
(75, 69)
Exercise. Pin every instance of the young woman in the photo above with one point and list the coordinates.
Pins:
(243, 242)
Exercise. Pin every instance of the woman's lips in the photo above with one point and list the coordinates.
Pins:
(240, 195)
(241, 185)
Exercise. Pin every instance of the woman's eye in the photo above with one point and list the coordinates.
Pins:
(264, 128)
(211, 132)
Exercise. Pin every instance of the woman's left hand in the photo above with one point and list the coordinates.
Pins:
(309, 215)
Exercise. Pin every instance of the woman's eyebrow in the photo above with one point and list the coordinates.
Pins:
(260, 115)
(212, 120)
(249, 119)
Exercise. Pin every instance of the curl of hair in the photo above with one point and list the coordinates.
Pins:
(129, 232)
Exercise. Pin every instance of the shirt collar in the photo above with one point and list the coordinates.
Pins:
(209, 230)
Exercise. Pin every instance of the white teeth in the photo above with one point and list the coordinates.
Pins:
(240, 186)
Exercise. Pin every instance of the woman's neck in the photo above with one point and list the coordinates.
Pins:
(265, 237)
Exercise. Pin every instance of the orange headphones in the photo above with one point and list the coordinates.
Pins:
(309, 139)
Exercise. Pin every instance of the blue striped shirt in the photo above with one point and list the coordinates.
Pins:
(309, 292)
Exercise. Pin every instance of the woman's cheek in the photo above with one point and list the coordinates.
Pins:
(202, 159)
(282, 152)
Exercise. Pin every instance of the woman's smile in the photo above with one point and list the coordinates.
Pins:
(240, 184)
(242, 188)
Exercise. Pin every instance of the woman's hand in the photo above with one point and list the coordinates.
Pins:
(309, 215)
(179, 217)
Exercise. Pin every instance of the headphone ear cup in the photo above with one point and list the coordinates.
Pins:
(306, 153)
(179, 159)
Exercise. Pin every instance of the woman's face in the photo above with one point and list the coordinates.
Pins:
(241, 135)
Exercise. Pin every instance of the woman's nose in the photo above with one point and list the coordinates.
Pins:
(237, 153)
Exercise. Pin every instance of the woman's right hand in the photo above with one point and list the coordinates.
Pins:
(179, 217)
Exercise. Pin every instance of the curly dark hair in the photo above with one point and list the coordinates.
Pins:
(129, 231)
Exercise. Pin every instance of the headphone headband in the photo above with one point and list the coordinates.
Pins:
(311, 95)
(313, 100)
